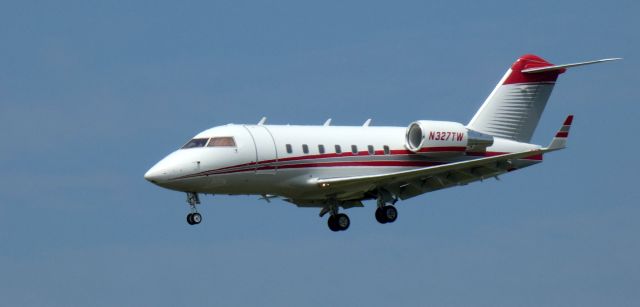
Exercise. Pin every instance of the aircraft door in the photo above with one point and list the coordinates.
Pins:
(265, 147)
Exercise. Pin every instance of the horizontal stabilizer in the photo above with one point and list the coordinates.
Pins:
(564, 66)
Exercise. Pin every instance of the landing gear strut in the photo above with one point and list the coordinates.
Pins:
(194, 217)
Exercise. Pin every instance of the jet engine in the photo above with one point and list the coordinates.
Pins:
(444, 139)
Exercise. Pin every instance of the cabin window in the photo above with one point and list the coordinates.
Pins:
(194, 143)
(338, 149)
(305, 148)
(371, 150)
(225, 141)
(289, 148)
(354, 149)
(386, 150)
(321, 149)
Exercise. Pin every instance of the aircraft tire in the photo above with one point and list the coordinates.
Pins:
(196, 218)
(390, 213)
(342, 221)
(332, 223)
(190, 219)
(380, 216)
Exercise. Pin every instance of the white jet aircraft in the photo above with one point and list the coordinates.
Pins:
(333, 167)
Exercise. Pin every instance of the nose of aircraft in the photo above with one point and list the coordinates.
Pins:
(166, 172)
(153, 175)
(161, 172)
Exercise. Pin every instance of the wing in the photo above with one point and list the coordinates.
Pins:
(410, 183)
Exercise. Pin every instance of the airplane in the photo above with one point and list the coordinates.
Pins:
(338, 167)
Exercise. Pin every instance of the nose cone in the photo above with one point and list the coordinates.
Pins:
(153, 175)
(161, 172)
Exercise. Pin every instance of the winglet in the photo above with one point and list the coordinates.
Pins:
(560, 140)
(262, 121)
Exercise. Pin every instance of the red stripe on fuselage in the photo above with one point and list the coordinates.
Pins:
(351, 154)
(393, 163)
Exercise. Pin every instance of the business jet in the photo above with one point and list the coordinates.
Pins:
(335, 168)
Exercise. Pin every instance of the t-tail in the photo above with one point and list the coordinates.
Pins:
(513, 109)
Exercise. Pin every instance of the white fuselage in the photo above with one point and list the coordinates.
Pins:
(260, 162)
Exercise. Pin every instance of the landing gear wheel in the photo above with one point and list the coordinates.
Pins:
(338, 222)
(390, 213)
(380, 216)
(333, 225)
(386, 214)
(194, 218)
(343, 222)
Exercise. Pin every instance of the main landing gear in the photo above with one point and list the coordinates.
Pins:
(338, 222)
(386, 212)
(193, 218)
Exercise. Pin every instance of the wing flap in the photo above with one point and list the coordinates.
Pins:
(424, 173)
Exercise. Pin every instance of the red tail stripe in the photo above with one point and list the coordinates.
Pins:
(531, 61)
(568, 121)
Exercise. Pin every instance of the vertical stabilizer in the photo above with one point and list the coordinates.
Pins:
(514, 107)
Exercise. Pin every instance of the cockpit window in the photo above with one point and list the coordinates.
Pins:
(195, 143)
(225, 141)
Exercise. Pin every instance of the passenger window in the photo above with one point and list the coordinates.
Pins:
(226, 141)
(386, 150)
(354, 149)
(321, 149)
(195, 143)
(289, 149)
(338, 149)
(305, 148)
(371, 150)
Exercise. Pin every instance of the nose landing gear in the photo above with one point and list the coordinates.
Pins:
(193, 218)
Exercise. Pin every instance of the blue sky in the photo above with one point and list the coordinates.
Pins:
(94, 93)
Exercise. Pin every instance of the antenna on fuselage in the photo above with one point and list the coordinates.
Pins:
(366, 124)
(262, 121)
(327, 123)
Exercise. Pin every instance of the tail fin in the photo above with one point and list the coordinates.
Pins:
(514, 107)
(560, 140)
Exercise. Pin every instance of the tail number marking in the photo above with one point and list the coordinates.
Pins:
(446, 136)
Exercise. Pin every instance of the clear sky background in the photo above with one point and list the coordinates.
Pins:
(94, 93)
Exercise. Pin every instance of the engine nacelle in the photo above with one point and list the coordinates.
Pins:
(439, 138)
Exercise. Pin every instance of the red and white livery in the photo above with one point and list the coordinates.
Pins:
(339, 167)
